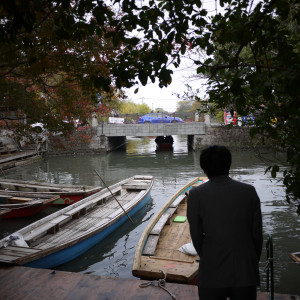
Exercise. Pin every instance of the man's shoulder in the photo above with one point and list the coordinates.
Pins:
(202, 187)
(241, 184)
(221, 181)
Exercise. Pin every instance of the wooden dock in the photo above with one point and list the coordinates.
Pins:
(26, 283)
(16, 159)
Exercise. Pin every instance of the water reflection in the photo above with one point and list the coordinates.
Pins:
(172, 170)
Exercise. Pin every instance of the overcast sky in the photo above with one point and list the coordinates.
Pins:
(166, 98)
(157, 97)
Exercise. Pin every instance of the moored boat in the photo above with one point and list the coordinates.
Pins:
(69, 232)
(23, 205)
(164, 142)
(158, 251)
(68, 194)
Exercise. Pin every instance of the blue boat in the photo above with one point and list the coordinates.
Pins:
(69, 232)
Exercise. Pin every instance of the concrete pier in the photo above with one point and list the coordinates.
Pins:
(27, 283)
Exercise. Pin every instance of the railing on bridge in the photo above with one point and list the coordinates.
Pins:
(133, 118)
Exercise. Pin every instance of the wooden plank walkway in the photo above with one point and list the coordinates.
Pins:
(17, 156)
(28, 283)
(18, 159)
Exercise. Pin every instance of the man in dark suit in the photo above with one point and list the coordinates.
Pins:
(226, 229)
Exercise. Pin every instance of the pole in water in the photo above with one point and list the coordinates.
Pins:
(114, 197)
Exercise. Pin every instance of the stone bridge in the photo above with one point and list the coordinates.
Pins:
(162, 129)
(112, 136)
(199, 134)
(108, 137)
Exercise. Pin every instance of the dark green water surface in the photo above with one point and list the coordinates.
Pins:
(172, 170)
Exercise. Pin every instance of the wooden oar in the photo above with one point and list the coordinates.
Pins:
(114, 197)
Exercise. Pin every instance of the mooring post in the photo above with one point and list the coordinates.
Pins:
(270, 268)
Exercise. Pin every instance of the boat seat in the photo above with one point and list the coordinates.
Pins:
(151, 244)
(153, 237)
(82, 209)
(135, 186)
(104, 197)
(170, 212)
(143, 177)
(180, 199)
(48, 228)
(160, 224)
(79, 210)
(39, 232)
(60, 220)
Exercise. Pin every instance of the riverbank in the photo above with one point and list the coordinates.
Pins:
(28, 283)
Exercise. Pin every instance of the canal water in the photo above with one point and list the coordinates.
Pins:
(172, 169)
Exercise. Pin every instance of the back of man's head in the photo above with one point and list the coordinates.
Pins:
(215, 160)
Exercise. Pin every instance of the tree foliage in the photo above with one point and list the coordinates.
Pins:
(251, 61)
(252, 64)
(255, 71)
(129, 107)
(54, 59)
(184, 109)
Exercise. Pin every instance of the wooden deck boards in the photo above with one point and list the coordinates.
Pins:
(36, 284)
(43, 284)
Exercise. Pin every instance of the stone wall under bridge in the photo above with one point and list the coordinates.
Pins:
(235, 138)
(82, 141)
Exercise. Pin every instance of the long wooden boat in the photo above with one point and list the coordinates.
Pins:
(295, 257)
(68, 194)
(69, 232)
(157, 249)
(23, 205)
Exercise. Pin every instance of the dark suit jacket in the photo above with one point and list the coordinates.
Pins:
(226, 229)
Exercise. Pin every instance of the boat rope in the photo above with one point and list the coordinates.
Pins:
(268, 264)
(161, 283)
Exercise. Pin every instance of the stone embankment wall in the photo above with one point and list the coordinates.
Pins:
(81, 141)
(233, 138)
(84, 140)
